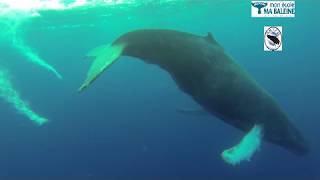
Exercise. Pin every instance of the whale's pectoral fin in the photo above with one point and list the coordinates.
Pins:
(104, 57)
(196, 112)
(248, 145)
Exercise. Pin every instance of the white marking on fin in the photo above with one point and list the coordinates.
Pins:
(248, 145)
(104, 58)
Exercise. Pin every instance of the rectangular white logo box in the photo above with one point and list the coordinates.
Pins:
(273, 9)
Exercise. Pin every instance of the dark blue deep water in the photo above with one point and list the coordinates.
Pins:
(126, 125)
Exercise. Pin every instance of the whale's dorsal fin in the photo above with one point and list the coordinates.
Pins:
(210, 38)
(213, 41)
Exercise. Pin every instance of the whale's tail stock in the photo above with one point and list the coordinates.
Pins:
(104, 56)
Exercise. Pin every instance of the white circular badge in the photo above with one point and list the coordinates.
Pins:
(272, 38)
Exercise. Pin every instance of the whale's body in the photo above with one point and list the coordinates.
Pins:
(201, 68)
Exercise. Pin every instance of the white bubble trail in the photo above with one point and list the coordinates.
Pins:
(9, 94)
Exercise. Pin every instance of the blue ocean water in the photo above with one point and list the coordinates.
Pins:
(125, 126)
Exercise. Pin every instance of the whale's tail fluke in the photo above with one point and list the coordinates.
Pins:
(104, 56)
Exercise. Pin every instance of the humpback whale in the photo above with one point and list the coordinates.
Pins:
(202, 69)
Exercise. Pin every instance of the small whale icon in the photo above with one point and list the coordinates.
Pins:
(259, 5)
(274, 39)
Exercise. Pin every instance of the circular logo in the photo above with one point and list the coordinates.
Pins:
(272, 38)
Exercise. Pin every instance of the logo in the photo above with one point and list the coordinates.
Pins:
(259, 5)
(273, 38)
(273, 9)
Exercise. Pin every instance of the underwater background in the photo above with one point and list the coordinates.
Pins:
(126, 125)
